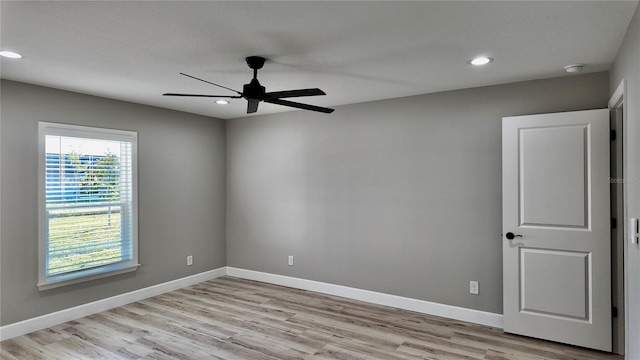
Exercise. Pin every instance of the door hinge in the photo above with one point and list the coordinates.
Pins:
(614, 223)
(613, 135)
(614, 312)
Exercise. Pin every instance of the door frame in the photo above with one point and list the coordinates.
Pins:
(621, 342)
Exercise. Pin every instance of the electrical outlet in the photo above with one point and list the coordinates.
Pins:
(290, 260)
(189, 260)
(474, 287)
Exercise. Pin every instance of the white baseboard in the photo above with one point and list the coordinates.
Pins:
(421, 306)
(59, 317)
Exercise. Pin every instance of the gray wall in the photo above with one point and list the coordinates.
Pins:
(400, 196)
(627, 66)
(181, 194)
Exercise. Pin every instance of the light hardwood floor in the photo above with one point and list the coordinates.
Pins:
(229, 318)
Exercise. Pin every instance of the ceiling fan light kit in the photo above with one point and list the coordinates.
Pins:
(254, 92)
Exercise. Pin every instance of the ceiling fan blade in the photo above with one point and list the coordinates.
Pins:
(209, 82)
(300, 105)
(294, 93)
(252, 105)
(200, 95)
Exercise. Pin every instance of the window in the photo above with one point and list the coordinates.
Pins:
(87, 197)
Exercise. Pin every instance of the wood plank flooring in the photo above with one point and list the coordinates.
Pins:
(230, 318)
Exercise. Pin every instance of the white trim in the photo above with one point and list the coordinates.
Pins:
(421, 306)
(59, 317)
(425, 307)
(618, 101)
(618, 95)
(46, 282)
(102, 272)
(89, 132)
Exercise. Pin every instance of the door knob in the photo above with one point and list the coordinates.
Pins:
(511, 235)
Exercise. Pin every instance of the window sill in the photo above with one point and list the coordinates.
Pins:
(75, 278)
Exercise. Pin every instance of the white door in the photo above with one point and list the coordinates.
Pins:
(556, 227)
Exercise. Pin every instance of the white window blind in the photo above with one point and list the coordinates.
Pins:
(89, 208)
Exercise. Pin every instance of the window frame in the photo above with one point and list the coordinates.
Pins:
(48, 128)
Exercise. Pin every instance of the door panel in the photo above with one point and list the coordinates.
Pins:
(556, 269)
(559, 200)
(570, 273)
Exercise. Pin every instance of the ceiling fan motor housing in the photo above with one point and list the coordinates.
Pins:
(253, 90)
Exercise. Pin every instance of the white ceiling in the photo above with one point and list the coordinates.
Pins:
(355, 51)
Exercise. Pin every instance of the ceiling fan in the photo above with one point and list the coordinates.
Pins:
(254, 92)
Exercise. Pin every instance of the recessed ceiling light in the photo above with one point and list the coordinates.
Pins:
(222, 102)
(480, 60)
(10, 54)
